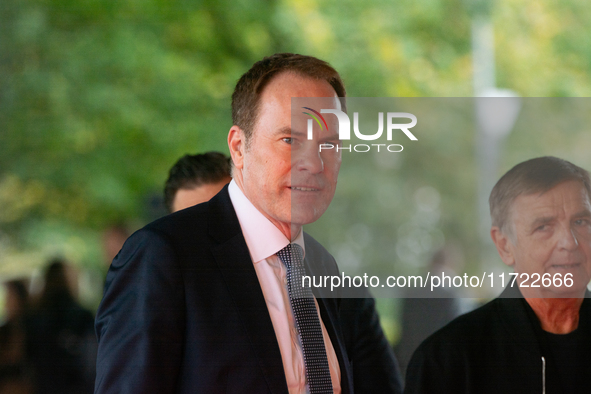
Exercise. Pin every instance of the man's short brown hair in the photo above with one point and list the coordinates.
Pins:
(532, 176)
(192, 171)
(246, 96)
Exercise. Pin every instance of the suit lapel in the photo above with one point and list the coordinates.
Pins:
(317, 265)
(234, 262)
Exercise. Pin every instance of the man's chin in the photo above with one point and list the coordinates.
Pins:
(573, 275)
(304, 216)
(575, 291)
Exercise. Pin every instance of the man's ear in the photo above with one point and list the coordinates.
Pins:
(504, 245)
(236, 143)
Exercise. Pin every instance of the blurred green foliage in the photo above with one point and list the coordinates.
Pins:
(99, 98)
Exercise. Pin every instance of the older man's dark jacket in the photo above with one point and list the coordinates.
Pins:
(498, 348)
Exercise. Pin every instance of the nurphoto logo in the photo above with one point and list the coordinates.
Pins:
(345, 129)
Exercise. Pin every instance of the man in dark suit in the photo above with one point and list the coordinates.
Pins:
(198, 301)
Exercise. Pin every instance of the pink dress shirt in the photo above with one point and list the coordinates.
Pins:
(264, 240)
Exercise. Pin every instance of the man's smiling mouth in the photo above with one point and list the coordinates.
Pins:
(304, 189)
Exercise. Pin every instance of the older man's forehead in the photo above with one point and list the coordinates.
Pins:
(572, 196)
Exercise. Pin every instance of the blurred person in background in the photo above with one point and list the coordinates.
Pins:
(195, 179)
(14, 378)
(425, 311)
(113, 238)
(61, 345)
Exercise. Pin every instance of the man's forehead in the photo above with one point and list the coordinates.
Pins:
(287, 94)
(299, 104)
(568, 195)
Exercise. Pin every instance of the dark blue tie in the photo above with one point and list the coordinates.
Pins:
(307, 321)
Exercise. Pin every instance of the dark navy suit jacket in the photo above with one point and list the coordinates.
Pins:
(183, 312)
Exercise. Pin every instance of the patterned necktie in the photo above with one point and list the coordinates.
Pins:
(307, 321)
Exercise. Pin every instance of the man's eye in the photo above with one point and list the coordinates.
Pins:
(288, 140)
(581, 222)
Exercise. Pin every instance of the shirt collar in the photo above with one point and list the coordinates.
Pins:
(262, 237)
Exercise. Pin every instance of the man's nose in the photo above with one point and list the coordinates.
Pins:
(308, 158)
(568, 238)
